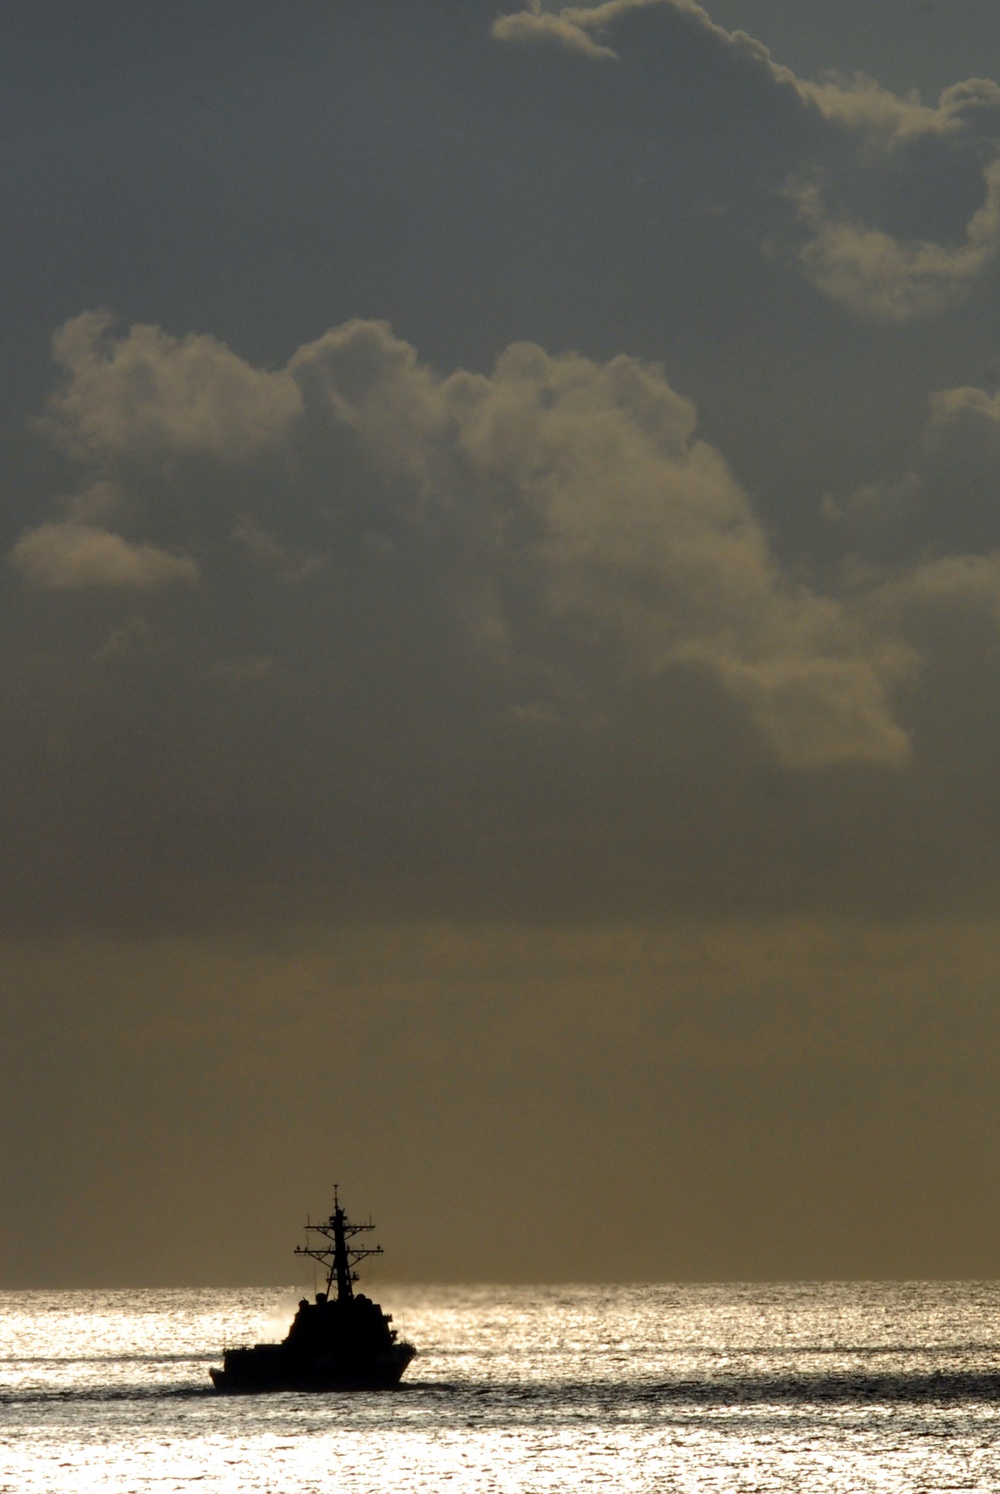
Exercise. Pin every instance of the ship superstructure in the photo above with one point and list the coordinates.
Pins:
(339, 1341)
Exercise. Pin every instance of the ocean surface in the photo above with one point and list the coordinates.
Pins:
(826, 1387)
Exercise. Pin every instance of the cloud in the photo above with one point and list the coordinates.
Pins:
(964, 580)
(861, 148)
(69, 556)
(554, 501)
(575, 26)
(645, 532)
(873, 274)
(462, 639)
(966, 112)
(945, 502)
(150, 393)
(968, 416)
(287, 563)
(571, 28)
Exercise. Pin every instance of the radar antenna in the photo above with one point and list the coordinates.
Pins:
(336, 1254)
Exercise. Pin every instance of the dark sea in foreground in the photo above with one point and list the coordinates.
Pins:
(832, 1387)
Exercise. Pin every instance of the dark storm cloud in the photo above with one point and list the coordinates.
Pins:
(557, 495)
(347, 628)
(357, 596)
(945, 499)
(859, 148)
(357, 632)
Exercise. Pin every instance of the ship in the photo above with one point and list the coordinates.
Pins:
(340, 1341)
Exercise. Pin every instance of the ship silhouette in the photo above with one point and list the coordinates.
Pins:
(340, 1341)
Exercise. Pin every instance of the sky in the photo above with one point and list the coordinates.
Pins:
(500, 613)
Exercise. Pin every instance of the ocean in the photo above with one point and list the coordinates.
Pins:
(807, 1387)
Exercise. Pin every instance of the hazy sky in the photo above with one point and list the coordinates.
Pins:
(501, 637)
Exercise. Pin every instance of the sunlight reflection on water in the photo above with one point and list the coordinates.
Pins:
(796, 1387)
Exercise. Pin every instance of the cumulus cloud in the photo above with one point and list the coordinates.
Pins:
(68, 556)
(572, 27)
(477, 633)
(971, 581)
(285, 562)
(150, 393)
(968, 415)
(858, 142)
(645, 531)
(945, 500)
(875, 275)
(557, 498)
(966, 112)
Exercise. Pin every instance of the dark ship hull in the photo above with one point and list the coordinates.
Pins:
(270, 1367)
(338, 1342)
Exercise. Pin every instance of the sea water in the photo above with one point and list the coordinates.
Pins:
(841, 1387)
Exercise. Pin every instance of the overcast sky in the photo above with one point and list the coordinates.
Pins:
(501, 613)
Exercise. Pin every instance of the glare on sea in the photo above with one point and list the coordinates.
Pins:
(703, 1388)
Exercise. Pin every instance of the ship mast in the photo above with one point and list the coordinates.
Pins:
(336, 1253)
